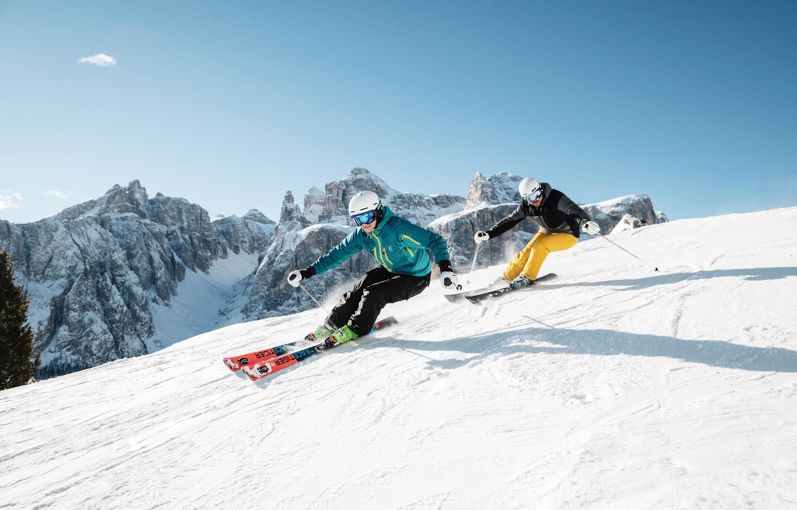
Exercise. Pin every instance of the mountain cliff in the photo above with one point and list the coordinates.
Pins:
(93, 271)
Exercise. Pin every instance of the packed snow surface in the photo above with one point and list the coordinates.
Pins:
(612, 386)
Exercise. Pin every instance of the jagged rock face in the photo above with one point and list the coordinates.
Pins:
(92, 271)
(296, 245)
(334, 204)
(272, 295)
(338, 193)
(501, 188)
(421, 209)
(88, 305)
(252, 233)
(291, 217)
(458, 230)
(315, 204)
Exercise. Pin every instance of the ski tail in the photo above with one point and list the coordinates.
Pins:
(382, 324)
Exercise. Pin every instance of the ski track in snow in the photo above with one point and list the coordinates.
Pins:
(612, 386)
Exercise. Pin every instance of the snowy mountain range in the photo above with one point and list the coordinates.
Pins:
(97, 274)
(126, 274)
(611, 387)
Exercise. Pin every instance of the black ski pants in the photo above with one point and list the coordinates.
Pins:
(360, 307)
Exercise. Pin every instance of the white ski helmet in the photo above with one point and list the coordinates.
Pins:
(364, 201)
(528, 186)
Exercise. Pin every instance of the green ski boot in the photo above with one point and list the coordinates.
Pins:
(323, 331)
(343, 335)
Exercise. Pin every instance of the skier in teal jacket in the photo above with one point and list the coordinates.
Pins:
(400, 249)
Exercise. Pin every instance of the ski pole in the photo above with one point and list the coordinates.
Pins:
(311, 296)
(320, 307)
(475, 253)
(628, 252)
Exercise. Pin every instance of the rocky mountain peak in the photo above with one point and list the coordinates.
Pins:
(291, 217)
(132, 198)
(359, 179)
(500, 188)
(314, 203)
(258, 217)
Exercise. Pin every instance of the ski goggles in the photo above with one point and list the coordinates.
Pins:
(364, 218)
(534, 195)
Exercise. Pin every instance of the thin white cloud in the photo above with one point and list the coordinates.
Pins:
(63, 194)
(100, 60)
(10, 200)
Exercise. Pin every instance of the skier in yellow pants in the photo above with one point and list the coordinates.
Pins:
(560, 221)
(528, 261)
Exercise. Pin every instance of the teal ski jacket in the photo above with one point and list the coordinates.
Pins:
(395, 243)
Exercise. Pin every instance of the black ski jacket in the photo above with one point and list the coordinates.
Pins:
(556, 213)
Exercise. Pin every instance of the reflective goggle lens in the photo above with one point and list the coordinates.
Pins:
(364, 218)
(534, 195)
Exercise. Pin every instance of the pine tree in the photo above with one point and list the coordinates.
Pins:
(16, 337)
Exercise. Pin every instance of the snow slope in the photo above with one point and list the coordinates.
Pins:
(204, 301)
(610, 387)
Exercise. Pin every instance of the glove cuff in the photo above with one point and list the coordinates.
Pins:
(308, 272)
(445, 265)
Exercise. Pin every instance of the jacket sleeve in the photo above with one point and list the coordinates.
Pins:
(510, 221)
(339, 254)
(414, 236)
(570, 208)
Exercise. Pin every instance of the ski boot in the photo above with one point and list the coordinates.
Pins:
(521, 282)
(339, 336)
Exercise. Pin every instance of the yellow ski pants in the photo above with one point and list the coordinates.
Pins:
(529, 260)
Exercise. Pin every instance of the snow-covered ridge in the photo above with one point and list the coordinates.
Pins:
(611, 387)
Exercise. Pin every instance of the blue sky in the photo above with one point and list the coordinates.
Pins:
(230, 104)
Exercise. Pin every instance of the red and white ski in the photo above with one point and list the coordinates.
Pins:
(271, 365)
(235, 363)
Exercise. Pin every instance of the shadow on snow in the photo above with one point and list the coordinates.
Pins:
(749, 274)
(601, 342)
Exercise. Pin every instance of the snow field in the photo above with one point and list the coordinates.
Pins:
(612, 386)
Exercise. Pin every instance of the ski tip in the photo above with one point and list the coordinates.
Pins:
(233, 366)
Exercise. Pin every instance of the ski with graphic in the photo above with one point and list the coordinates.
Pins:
(478, 298)
(279, 358)
(236, 363)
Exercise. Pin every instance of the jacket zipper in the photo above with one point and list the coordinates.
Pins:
(384, 255)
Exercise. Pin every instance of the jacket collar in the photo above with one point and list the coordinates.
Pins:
(546, 192)
(385, 217)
